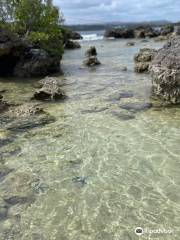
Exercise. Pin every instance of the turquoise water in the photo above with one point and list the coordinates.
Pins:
(105, 170)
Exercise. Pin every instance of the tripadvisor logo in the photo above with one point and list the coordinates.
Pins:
(139, 231)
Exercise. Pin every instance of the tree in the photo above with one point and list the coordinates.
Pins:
(6, 10)
(38, 21)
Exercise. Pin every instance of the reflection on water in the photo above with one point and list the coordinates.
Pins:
(104, 170)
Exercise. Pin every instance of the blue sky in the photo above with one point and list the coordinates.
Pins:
(92, 11)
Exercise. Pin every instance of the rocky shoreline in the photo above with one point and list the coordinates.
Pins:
(142, 32)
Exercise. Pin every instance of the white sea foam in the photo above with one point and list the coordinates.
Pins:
(92, 37)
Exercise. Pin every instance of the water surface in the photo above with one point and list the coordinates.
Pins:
(107, 170)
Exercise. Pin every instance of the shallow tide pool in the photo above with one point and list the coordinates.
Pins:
(106, 166)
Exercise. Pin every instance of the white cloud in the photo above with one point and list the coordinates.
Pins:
(87, 11)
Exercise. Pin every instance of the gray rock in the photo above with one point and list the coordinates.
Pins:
(167, 29)
(17, 188)
(143, 59)
(19, 58)
(94, 110)
(118, 96)
(3, 105)
(36, 63)
(92, 61)
(3, 209)
(165, 71)
(72, 45)
(122, 116)
(91, 57)
(136, 107)
(4, 171)
(119, 33)
(25, 117)
(91, 52)
(130, 44)
(50, 90)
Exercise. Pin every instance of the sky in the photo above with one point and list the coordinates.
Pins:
(99, 11)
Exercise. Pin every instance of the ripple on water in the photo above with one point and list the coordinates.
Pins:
(101, 175)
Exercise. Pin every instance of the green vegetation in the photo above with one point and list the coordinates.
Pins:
(37, 21)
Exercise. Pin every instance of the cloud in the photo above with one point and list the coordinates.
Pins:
(92, 11)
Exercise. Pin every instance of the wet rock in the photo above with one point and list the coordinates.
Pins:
(91, 57)
(11, 48)
(50, 90)
(136, 107)
(165, 71)
(4, 171)
(91, 52)
(2, 91)
(136, 32)
(141, 67)
(92, 61)
(119, 33)
(3, 209)
(5, 136)
(118, 96)
(145, 31)
(167, 29)
(26, 116)
(177, 30)
(17, 188)
(75, 36)
(161, 38)
(19, 58)
(122, 116)
(35, 63)
(144, 40)
(72, 45)
(94, 110)
(126, 95)
(7, 225)
(130, 44)
(143, 59)
(123, 68)
(3, 105)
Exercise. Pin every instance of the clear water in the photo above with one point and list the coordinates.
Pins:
(131, 168)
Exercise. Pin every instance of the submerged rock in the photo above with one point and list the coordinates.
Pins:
(17, 188)
(118, 96)
(3, 209)
(123, 68)
(26, 116)
(3, 105)
(165, 71)
(50, 90)
(91, 57)
(94, 110)
(135, 107)
(4, 171)
(122, 116)
(143, 59)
